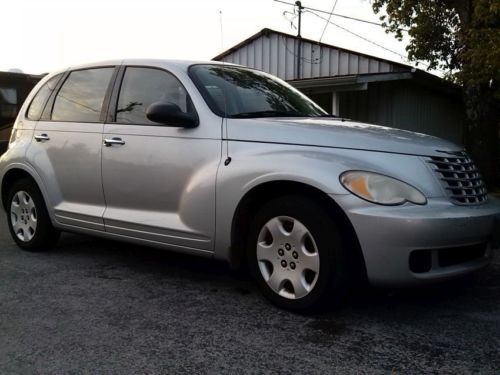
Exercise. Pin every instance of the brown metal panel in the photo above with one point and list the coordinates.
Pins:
(384, 67)
(251, 55)
(305, 63)
(363, 65)
(273, 53)
(316, 61)
(334, 62)
(325, 62)
(290, 59)
(244, 56)
(343, 63)
(353, 63)
(373, 66)
(258, 64)
(282, 56)
(266, 54)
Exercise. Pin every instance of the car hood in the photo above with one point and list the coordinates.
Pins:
(337, 133)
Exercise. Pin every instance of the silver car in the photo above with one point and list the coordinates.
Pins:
(232, 163)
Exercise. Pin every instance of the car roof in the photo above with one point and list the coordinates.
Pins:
(159, 62)
(165, 63)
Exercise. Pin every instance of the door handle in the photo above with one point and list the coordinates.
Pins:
(113, 141)
(42, 137)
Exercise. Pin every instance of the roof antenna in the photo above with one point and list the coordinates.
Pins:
(224, 119)
(221, 32)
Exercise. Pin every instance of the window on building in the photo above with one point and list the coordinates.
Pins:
(81, 96)
(142, 87)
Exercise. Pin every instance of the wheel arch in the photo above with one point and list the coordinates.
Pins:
(264, 192)
(10, 177)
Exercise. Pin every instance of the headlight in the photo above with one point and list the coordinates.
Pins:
(380, 189)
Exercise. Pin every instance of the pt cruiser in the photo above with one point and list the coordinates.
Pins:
(228, 162)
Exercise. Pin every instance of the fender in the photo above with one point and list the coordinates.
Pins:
(254, 164)
(29, 169)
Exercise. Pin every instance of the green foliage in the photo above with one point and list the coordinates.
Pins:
(461, 37)
(480, 55)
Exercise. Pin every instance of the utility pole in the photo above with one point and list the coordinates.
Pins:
(300, 7)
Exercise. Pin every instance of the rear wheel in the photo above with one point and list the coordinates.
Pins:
(29, 221)
(296, 254)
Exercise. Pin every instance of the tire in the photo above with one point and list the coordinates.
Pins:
(28, 219)
(297, 237)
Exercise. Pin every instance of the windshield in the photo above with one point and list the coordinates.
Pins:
(237, 92)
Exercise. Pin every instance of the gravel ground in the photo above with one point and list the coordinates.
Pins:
(94, 306)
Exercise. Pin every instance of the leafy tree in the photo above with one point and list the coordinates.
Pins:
(461, 37)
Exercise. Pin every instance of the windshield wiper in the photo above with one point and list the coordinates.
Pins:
(268, 114)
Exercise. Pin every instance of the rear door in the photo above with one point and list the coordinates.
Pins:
(66, 151)
(159, 180)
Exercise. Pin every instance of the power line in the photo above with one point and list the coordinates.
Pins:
(368, 40)
(339, 15)
(306, 60)
(358, 35)
(328, 22)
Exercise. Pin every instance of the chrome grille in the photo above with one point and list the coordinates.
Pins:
(459, 177)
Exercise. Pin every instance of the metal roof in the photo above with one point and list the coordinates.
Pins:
(423, 78)
(276, 53)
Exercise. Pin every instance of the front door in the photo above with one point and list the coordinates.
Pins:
(159, 180)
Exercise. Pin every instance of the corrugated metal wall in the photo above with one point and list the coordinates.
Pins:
(401, 104)
(406, 105)
(277, 54)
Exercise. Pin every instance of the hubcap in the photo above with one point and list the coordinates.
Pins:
(288, 257)
(23, 216)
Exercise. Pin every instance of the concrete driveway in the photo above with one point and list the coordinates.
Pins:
(94, 306)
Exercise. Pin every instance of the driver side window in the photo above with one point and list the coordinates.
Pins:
(142, 87)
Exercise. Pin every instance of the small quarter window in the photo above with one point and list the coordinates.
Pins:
(81, 95)
(142, 87)
(40, 99)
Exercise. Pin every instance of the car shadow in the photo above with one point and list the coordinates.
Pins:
(480, 287)
(157, 263)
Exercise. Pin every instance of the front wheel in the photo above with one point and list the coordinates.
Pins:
(296, 254)
(29, 222)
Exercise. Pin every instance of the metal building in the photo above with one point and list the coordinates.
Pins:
(14, 87)
(355, 85)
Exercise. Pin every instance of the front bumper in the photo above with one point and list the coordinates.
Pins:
(440, 232)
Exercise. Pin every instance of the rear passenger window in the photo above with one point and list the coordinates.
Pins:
(81, 95)
(142, 87)
(38, 103)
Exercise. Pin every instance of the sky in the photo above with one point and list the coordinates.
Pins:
(40, 36)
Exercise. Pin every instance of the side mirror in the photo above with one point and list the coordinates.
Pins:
(170, 114)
